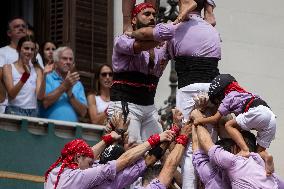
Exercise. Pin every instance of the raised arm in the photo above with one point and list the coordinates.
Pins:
(208, 120)
(174, 158)
(204, 137)
(12, 89)
(135, 153)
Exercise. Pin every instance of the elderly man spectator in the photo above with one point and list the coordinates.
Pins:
(65, 97)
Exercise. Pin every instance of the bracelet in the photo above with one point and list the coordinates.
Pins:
(182, 139)
(154, 140)
(107, 139)
(25, 77)
(175, 128)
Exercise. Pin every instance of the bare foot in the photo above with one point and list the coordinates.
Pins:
(269, 165)
(244, 153)
(210, 18)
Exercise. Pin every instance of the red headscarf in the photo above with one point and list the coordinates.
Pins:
(234, 86)
(138, 8)
(75, 147)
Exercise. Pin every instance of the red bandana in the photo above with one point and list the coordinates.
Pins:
(138, 8)
(75, 147)
(234, 86)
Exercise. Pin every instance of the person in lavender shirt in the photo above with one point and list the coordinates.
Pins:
(167, 173)
(137, 67)
(252, 113)
(79, 170)
(243, 172)
(210, 174)
(195, 45)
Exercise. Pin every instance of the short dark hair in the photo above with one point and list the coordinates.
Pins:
(226, 143)
(249, 139)
(12, 19)
(151, 172)
(24, 39)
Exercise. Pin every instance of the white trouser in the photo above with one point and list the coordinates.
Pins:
(143, 120)
(185, 103)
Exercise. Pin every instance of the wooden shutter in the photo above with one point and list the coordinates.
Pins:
(91, 37)
(84, 25)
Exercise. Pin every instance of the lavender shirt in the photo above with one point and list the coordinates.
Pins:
(210, 174)
(195, 37)
(99, 176)
(154, 184)
(243, 172)
(124, 58)
(233, 103)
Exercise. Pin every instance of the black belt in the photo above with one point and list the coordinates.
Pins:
(254, 102)
(192, 69)
(134, 87)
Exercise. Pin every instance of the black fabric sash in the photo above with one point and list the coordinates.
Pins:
(137, 94)
(195, 70)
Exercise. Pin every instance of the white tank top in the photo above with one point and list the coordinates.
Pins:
(101, 104)
(26, 98)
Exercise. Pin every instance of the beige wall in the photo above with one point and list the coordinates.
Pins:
(252, 51)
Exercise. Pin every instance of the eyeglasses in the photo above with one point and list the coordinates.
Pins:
(104, 74)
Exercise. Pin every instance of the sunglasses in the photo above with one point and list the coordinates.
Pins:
(104, 74)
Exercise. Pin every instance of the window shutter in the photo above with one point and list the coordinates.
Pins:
(84, 25)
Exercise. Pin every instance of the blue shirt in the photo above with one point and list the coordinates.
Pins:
(62, 108)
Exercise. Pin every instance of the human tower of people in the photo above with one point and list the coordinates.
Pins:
(210, 138)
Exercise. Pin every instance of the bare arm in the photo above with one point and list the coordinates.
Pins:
(145, 34)
(208, 120)
(153, 2)
(96, 118)
(79, 107)
(195, 142)
(127, 7)
(171, 164)
(2, 87)
(99, 147)
(204, 138)
(132, 155)
(52, 97)
(12, 89)
(209, 15)
(173, 160)
(135, 153)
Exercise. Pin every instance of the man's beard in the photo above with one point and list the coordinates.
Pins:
(142, 25)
